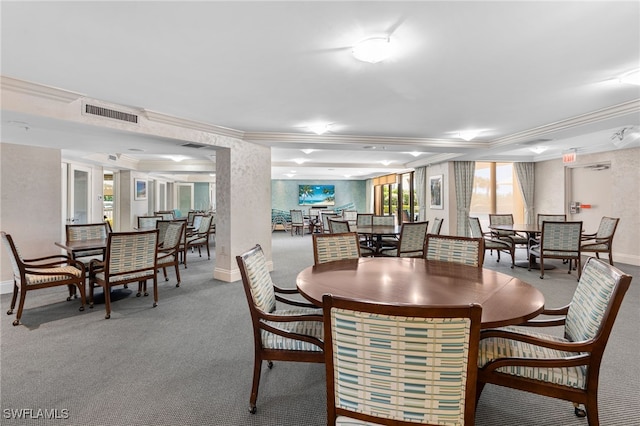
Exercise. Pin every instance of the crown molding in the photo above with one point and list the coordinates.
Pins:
(38, 90)
(271, 137)
(597, 116)
(159, 117)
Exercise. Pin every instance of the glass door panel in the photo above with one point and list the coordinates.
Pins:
(185, 198)
(79, 194)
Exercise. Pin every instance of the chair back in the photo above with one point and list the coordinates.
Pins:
(131, 253)
(412, 239)
(350, 216)
(551, 218)
(88, 231)
(437, 226)
(325, 220)
(14, 256)
(190, 216)
(162, 226)
(315, 213)
(560, 239)
(364, 219)
(204, 226)
(501, 219)
(331, 247)
(173, 235)
(256, 281)
(607, 227)
(475, 227)
(449, 248)
(165, 214)
(383, 220)
(338, 226)
(400, 364)
(148, 221)
(297, 218)
(595, 302)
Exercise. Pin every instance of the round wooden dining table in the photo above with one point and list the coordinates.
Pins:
(505, 300)
(532, 230)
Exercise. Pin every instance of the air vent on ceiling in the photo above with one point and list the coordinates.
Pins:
(110, 113)
(197, 145)
(536, 141)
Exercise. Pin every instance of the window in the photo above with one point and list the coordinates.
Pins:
(495, 190)
(396, 195)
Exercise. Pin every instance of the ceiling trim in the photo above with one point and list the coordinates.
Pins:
(271, 137)
(603, 114)
(39, 90)
(159, 117)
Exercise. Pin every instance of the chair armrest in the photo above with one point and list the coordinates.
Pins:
(285, 290)
(293, 302)
(588, 236)
(562, 310)
(585, 346)
(95, 265)
(570, 361)
(294, 336)
(49, 261)
(551, 322)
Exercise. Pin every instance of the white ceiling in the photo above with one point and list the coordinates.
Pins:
(519, 71)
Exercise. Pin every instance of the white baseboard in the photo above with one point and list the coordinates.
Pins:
(6, 287)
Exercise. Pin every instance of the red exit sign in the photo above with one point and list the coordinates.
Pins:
(569, 157)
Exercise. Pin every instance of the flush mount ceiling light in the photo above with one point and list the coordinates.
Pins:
(414, 153)
(299, 160)
(385, 162)
(467, 135)
(307, 151)
(319, 128)
(538, 149)
(631, 77)
(373, 49)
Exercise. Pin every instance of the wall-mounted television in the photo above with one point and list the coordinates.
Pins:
(316, 195)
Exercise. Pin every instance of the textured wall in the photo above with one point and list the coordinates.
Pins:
(26, 201)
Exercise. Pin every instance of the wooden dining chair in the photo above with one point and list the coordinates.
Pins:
(169, 248)
(491, 243)
(293, 334)
(130, 257)
(436, 228)
(332, 247)
(558, 240)
(507, 219)
(450, 248)
(564, 367)
(39, 273)
(326, 216)
(339, 226)
(199, 238)
(392, 364)
(148, 222)
(412, 240)
(602, 240)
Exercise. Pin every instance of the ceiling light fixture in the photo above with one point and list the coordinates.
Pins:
(177, 158)
(538, 149)
(307, 151)
(385, 162)
(631, 77)
(414, 153)
(319, 128)
(467, 135)
(299, 160)
(373, 49)
(289, 175)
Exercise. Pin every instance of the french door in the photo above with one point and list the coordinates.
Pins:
(77, 206)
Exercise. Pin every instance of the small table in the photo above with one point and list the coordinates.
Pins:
(531, 229)
(378, 231)
(505, 300)
(73, 247)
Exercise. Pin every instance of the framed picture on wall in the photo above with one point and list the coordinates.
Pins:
(140, 189)
(436, 191)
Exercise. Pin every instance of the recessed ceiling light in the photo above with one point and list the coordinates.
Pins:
(177, 158)
(467, 135)
(373, 49)
(631, 77)
(319, 128)
(307, 151)
(414, 153)
(299, 160)
(386, 162)
(538, 149)
(289, 174)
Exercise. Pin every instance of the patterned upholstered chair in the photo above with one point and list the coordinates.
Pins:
(365, 219)
(169, 249)
(148, 222)
(412, 240)
(331, 247)
(84, 232)
(491, 243)
(130, 257)
(400, 365)
(325, 216)
(436, 227)
(558, 240)
(294, 334)
(298, 222)
(507, 219)
(199, 239)
(560, 367)
(350, 216)
(165, 214)
(42, 272)
(602, 240)
(449, 248)
(543, 217)
(339, 226)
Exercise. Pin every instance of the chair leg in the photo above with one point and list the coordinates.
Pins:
(208, 252)
(107, 300)
(592, 409)
(177, 274)
(83, 295)
(579, 412)
(257, 369)
(164, 270)
(20, 307)
(13, 298)
(541, 267)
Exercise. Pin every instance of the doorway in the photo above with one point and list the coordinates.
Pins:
(591, 185)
